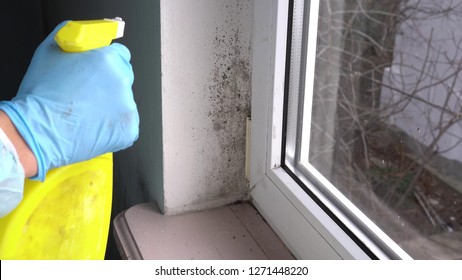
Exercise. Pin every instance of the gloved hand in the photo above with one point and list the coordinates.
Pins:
(72, 107)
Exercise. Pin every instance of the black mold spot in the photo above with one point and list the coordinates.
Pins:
(230, 95)
(227, 95)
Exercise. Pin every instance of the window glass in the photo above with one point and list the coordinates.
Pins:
(375, 106)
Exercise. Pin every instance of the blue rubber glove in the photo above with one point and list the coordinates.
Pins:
(72, 107)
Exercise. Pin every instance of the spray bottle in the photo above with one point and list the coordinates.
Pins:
(68, 215)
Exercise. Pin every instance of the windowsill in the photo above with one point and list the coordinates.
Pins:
(233, 232)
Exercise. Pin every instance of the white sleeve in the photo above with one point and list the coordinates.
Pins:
(11, 176)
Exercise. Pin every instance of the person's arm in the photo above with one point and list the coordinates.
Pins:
(26, 157)
(11, 173)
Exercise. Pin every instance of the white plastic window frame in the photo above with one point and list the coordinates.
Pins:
(307, 230)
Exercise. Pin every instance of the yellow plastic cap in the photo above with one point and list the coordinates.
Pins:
(84, 35)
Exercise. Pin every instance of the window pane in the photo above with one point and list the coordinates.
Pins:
(385, 126)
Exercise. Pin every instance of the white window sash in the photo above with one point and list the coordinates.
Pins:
(304, 227)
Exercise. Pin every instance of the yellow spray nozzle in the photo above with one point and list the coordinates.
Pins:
(84, 35)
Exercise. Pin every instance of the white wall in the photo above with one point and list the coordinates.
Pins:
(206, 50)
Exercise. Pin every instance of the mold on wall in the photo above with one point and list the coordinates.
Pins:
(206, 80)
